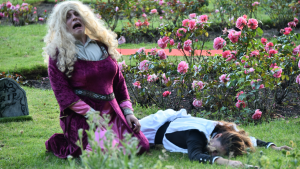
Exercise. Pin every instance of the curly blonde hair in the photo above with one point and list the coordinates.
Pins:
(60, 44)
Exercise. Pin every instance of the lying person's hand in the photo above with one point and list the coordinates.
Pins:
(281, 148)
(231, 163)
(133, 122)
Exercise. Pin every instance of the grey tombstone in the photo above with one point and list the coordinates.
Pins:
(13, 101)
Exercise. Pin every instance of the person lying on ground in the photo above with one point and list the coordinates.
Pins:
(204, 140)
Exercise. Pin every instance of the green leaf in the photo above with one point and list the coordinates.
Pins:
(242, 96)
(259, 31)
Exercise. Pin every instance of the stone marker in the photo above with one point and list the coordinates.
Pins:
(13, 101)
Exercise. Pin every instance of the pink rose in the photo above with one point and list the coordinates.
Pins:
(269, 46)
(137, 84)
(166, 93)
(298, 79)
(162, 42)
(161, 17)
(287, 30)
(237, 63)
(252, 23)
(138, 24)
(217, 11)
(276, 71)
(255, 3)
(272, 52)
(153, 51)
(192, 24)
(8, 4)
(172, 42)
(153, 11)
(299, 64)
(263, 41)
(296, 20)
(165, 80)
(197, 103)
(144, 15)
(234, 36)
(192, 15)
(241, 22)
(257, 114)
(144, 65)
(1, 15)
(117, 8)
(296, 50)
(238, 94)
(187, 45)
(185, 22)
(180, 32)
(203, 18)
(224, 78)
(162, 55)
(219, 43)
(152, 78)
(41, 19)
(122, 65)
(292, 24)
(273, 65)
(226, 53)
(121, 40)
(141, 50)
(240, 104)
(254, 53)
(182, 67)
(24, 4)
(161, 2)
(179, 46)
(197, 85)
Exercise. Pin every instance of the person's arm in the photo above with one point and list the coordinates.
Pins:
(63, 92)
(196, 144)
(121, 94)
(260, 143)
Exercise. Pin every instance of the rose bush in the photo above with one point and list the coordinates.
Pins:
(249, 75)
(20, 14)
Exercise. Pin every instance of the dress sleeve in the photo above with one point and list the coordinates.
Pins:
(120, 88)
(196, 145)
(80, 107)
(63, 92)
(260, 143)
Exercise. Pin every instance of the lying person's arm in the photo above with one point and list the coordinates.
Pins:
(260, 143)
(196, 145)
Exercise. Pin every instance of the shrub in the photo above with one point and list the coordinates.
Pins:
(249, 76)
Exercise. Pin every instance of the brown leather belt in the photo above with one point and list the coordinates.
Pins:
(93, 95)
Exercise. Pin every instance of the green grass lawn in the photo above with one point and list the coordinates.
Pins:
(22, 144)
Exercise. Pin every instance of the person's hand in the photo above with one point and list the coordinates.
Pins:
(281, 148)
(132, 119)
(231, 163)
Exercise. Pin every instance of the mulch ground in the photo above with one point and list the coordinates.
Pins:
(174, 52)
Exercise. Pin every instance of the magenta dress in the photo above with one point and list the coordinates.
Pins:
(102, 77)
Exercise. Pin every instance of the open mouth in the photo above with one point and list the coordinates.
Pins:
(77, 25)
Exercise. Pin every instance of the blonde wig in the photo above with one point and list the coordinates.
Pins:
(58, 39)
